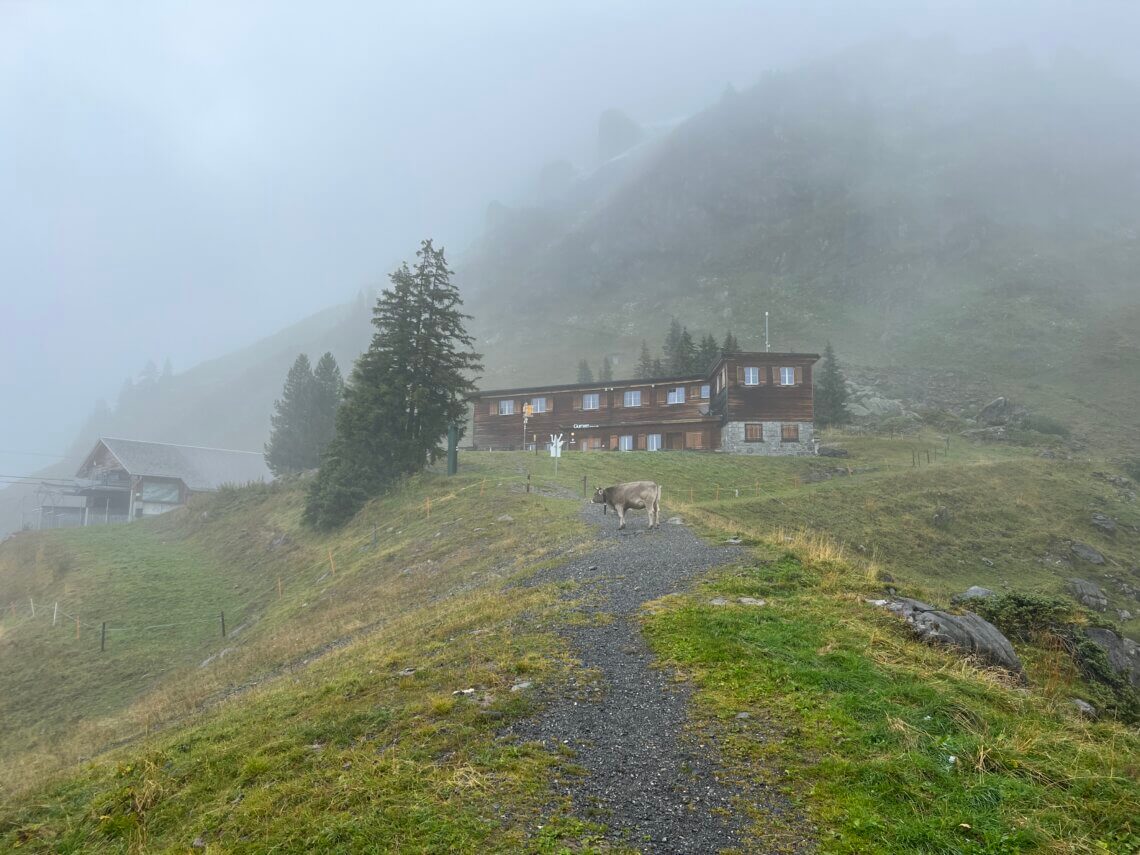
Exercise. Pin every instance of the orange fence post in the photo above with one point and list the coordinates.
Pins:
(690, 495)
(427, 506)
(279, 586)
(77, 628)
(332, 564)
(718, 492)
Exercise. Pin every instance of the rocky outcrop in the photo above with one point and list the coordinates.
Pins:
(831, 451)
(974, 592)
(1123, 653)
(967, 632)
(1086, 552)
(1088, 594)
(1104, 522)
(1001, 411)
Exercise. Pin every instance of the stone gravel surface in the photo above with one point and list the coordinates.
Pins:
(651, 780)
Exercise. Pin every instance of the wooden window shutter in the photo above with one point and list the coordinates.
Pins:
(494, 408)
(739, 373)
(550, 405)
(613, 441)
(641, 442)
(799, 375)
(577, 402)
(762, 372)
(663, 397)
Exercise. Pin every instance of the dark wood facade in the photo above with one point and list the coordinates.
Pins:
(672, 413)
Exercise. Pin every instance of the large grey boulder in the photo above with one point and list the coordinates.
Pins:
(1088, 594)
(968, 632)
(1104, 522)
(1086, 552)
(1123, 653)
(974, 592)
(832, 451)
(1001, 411)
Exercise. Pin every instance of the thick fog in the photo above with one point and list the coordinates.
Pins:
(179, 179)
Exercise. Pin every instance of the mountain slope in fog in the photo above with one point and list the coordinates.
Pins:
(974, 218)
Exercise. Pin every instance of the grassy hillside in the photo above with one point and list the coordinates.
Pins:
(331, 721)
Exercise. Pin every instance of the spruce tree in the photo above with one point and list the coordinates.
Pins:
(404, 392)
(289, 449)
(607, 373)
(328, 390)
(686, 354)
(671, 349)
(731, 345)
(707, 353)
(585, 375)
(657, 369)
(831, 392)
(644, 363)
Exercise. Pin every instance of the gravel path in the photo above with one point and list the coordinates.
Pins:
(648, 778)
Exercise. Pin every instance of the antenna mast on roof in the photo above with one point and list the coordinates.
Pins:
(767, 346)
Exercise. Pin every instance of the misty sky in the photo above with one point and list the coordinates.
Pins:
(179, 179)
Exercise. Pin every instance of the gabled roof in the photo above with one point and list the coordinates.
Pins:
(198, 468)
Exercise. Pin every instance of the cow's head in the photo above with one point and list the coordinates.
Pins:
(599, 496)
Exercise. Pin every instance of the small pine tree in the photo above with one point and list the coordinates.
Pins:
(406, 390)
(657, 369)
(831, 392)
(288, 447)
(149, 375)
(644, 363)
(731, 345)
(585, 375)
(167, 369)
(607, 373)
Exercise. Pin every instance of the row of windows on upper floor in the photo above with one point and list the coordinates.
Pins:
(593, 400)
(750, 375)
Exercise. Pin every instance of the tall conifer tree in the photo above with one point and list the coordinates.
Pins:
(289, 449)
(686, 354)
(707, 353)
(831, 392)
(585, 375)
(607, 372)
(671, 349)
(405, 391)
(644, 363)
(731, 345)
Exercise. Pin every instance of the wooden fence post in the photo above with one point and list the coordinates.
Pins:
(32, 603)
(55, 613)
(223, 616)
(585, 489)
(718, 492)
(332, 563)
(482, 486)
(77, 629)
(278, 586)
(103, 638)
(528, 482)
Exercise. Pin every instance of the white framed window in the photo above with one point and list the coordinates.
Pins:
(677, 396)
(653, 442)
(538, 405)
(506, 408)
(590, 402)
(625, 443)
(787, 377)
(751, 376)
(632, 398)
(705, 390)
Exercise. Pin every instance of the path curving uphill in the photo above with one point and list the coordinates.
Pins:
(651, 781)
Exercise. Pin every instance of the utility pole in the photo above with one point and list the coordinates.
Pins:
(767, 346)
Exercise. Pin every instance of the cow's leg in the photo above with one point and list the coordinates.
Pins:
(621, 516)
(655, 514)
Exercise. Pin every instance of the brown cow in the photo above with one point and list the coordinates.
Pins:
(633, 494)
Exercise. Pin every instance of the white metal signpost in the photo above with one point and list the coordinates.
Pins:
(556, 450)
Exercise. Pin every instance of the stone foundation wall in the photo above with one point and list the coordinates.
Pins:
(732, 440)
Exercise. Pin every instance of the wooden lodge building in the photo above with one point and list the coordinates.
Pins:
(127, 479)
(749, 403)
